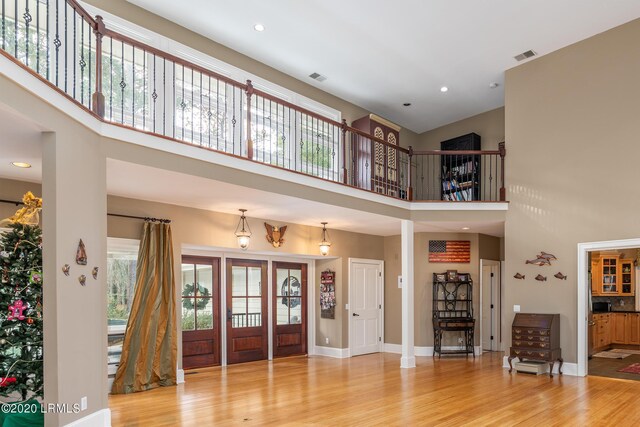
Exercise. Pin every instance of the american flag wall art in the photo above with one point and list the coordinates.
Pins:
(452, 251)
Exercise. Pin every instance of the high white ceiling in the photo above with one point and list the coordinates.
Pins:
(380, 54)
(20, 141)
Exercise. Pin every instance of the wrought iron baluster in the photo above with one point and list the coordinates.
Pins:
(4, 23)
(133, 86)
(111, 78)
(154, 95)
(200, 110)
(218, 113)
(82, 62)
(123, 84)
(233, 141)
(66, 37)
(193, 123)
(209, 114)
(89, 71)
(144, 89)
(38, 35)
(183, 104)
(15, 29)
(73, 57)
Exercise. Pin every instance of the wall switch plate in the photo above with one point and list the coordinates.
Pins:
(326, 340)
(346, 306)
(516, 309)
(83, 403)
(399, 282)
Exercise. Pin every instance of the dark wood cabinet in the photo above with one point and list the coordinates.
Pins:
(376, 165)
(536, 337)
(461, 173)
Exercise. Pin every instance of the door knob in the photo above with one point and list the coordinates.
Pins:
(228, 314)
(355, 314)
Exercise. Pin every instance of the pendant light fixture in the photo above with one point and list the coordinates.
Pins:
(325, 244)
(243, 232)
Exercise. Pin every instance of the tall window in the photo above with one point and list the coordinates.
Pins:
(122, 258)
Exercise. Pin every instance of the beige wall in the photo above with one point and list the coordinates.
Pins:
(489, 125)
(197, 227)
(489, 247)
(423, 282)
(572, 171)
(155, 23)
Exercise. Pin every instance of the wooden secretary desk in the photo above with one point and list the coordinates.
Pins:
(372, 160)
(536, 337)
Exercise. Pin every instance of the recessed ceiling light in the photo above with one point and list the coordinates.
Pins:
(21, 165)
(465, 228)
(407, 104)
(259, 27)
(444, 89)
(493, 85)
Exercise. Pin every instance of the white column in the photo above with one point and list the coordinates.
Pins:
(408, 359)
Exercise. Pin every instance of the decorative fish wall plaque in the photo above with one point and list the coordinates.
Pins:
(538, 261)
(547, 256)
(560, 276)
(94, 272)
(65, 269)
(82, 279)
(541, 278)
(519, 276)
(81, 254)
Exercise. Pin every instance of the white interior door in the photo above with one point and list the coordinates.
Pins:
(490, 307)
(365, 306)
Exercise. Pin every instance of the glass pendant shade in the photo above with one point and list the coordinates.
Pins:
(243, 232)
(325, 244)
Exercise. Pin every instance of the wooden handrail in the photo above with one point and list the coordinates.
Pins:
(456, 152)
(157, 52)
(82, 12)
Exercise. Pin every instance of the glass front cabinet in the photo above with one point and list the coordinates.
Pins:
(611, 275)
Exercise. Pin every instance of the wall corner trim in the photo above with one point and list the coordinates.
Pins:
(101, 418)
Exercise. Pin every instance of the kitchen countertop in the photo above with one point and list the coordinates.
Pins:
(616, 311)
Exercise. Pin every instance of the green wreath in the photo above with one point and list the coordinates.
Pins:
(189, 291)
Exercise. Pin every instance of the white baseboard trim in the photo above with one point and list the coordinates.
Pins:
(180, 376)
(570, 369)
(424, 351)
(101, 418)
(339, 353)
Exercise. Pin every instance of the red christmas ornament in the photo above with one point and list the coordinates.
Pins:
(30, 321)
(15, 310)
(5, 381)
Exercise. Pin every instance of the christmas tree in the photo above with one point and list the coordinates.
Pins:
(21, 361)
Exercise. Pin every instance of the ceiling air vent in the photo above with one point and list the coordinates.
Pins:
(525, 55)
(317, 76)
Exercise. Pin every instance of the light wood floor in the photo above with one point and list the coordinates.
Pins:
(373, 390)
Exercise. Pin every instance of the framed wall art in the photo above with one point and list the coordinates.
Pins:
(328, 294)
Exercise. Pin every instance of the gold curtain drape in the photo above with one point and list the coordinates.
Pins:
(150, 345)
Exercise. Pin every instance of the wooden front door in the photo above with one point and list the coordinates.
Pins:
(200, 306)
(290, 309)
(246, 310)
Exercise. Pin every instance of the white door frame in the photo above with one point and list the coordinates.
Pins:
(380, 291)
(497, 342)
(583, 291)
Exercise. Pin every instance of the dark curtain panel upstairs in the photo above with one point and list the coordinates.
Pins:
(149, 350)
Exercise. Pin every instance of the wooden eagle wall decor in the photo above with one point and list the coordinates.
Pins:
(275, 235)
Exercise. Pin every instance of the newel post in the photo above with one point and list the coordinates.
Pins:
(409, 183)
(249, 140)
(503, 190)
(345, 175)
(97, 99)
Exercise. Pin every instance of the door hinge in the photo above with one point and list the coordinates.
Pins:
(380, 306)
(379, 339)
(491, 305)
(491, 274)
(379, 273)
(491, 336)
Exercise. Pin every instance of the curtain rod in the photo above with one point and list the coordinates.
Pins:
(145, 218)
